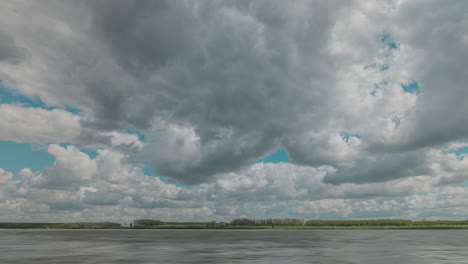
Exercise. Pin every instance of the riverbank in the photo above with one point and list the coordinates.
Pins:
(246, 224)
(233, 228)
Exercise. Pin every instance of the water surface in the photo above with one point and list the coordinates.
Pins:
(211, 246)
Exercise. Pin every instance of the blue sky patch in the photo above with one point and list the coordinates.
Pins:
(393, 46)
(377, 86)
(16, 156)
(281, 155)
(384, 67)
(460, 152)
(389, 44)
(72, 109)
(370, 66)
(8, 96)
(346, 135)
(374, 90)
(140, 135)
(411, 87)
(381, 67)
(148, 171)
(92, 153)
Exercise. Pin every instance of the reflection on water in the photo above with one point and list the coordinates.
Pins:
(205, 246)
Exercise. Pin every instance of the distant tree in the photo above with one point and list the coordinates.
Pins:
(146, 222)
(269, 222)
(211, 224)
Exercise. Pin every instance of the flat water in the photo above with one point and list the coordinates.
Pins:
(212, 246)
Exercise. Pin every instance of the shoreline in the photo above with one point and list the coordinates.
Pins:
(246, 224)
(295, 228)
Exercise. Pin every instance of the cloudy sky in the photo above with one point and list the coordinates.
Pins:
(212, 110)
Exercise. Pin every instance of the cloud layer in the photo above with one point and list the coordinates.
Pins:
(366, 98)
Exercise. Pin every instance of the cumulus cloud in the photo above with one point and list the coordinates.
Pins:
(77, 184)
(366, 98)
(27, 124)
(38, 125)
(195, 73)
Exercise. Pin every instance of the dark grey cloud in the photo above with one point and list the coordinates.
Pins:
(215, 86)
(381, 168)
(146, 35)
(226, 70)
(9, 50)
(439, 68)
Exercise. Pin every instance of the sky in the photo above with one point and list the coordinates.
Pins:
(213, 110)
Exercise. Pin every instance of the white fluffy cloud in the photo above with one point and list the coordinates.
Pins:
(78, 187)
(27, 124)
(38, 125)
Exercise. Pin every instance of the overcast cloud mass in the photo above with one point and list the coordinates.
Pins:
(168, 109)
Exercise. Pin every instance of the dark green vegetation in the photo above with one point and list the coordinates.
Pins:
(89, 225)
(27, 225)
(81, 225)
(156, 224)
(268, 222)
(424, 223)
(377, 222)
(385, 224)
(245, 223)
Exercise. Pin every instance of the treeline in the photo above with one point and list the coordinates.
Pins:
(268, 222)
(156, 224)
(246, 223)
(81, 225)
(440, 222)
(27, 225)
(377, 222)
(89, 225)
(236, 223)
(383, 222)
(146, 222)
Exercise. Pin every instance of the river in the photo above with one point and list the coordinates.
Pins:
(239, 246)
